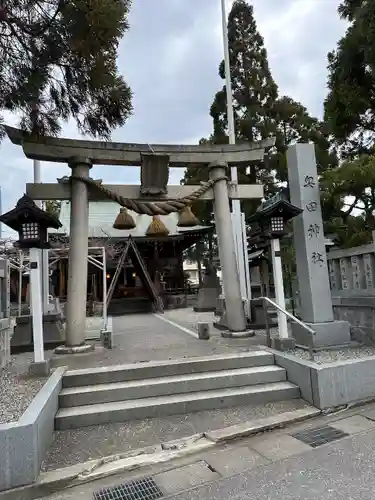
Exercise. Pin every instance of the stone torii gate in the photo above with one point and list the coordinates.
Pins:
(154, 196)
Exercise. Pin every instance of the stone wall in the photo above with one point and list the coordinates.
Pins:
(5, 336)
(360, 313)
(352, 281)
(24, 444)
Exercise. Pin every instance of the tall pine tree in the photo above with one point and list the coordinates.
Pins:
(259, 112)
(59, 61)
(254, 90)
(350, 104)
(350, 117)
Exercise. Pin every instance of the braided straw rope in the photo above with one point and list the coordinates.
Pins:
(150, 207)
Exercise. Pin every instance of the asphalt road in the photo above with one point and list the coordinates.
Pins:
(343, 470)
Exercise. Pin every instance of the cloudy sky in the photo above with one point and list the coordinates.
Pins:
(170, 58)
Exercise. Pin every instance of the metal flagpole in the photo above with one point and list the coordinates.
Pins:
(236, 204)
(1, 211)
(37, 178)
(44, 267)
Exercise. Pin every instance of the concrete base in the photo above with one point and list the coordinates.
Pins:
(53, 332)
(222, 324)
(283, 344)
(326, 334)
(226, 334)
(40, 369)
(333, 384)
(78, 349)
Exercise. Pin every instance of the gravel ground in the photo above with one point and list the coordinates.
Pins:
(331, 355)
(17, 389)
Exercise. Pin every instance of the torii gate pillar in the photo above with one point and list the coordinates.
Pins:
(236, 321)
(78, 253)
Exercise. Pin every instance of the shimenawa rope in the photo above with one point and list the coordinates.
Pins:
(150, 207)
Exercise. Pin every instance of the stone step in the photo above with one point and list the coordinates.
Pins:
(166, 386)
(104, 413)
(140, 371)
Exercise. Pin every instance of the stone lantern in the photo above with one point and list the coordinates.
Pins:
(269, 220)
(268, 225)
(32, 223)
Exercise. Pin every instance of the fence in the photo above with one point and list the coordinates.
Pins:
(352, 280)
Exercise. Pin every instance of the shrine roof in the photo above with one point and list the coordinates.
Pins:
(102, 215)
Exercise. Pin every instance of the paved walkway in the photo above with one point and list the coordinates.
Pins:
(154, 337)
(271, 465)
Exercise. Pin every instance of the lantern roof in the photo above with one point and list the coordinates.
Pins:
(26, 210)
(277, 206)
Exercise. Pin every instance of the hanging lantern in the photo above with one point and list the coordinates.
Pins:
(186, 218)
(124, 220)
(157, 227)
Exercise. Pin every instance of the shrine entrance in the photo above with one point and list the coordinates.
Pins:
(153, 198)
(132, 267)
(162, 253)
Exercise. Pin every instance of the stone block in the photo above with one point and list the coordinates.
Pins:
(106, 337)
(53, 332)
(333, 384)
(203, 330)
(283, 344)
(343, 382)
(40, 369)
(327, 334)
(360, 313)
(299, 373)
(18, 457)
(5, 336)
(24, 444)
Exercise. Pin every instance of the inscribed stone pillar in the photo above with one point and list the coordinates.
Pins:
(309, 242)
(78, 253)
(357, 270)
(235, 313)
(345, 273)
(368, 264)
(334, 274)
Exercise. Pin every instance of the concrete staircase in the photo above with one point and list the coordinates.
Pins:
(145, 390)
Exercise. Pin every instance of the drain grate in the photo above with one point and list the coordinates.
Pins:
(140, 489)
(321, 435)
